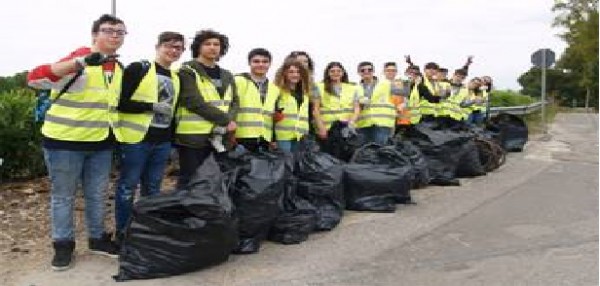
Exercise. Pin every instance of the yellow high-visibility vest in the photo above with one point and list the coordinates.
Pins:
(87, 115)
(451, 105)
(295, 120)
(192, 123)
(414, 105)
(132, 127)
(255, 118)
(379, 109)
(337, 108)
(426, 107)
(482, 105)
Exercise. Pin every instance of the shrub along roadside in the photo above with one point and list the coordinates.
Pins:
(20, 147)
(501, 98)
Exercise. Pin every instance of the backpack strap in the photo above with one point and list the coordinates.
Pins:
(68, 85)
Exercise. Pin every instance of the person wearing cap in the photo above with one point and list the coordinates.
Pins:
(207, 106)
(149, 94)
(257, 97)
(378, 114)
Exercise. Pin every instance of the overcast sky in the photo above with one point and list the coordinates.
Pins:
(501, 35)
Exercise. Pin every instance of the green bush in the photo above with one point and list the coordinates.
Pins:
(20, 146)
(500, 98)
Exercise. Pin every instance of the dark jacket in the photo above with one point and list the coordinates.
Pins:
(191, 99)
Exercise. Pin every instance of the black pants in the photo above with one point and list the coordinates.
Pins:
(253, 144)
(189, 161)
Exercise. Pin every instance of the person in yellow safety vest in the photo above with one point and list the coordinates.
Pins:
(208, 103)
(430, 107)
(149, 94)
(307, 61)
(257, 97)
(475, 103)
(78, 137)
(295, 83)
(400, 92)
(338, 100)
(487, 85)
(378, 114)
(424, 96)
(458, 94)
(447, 111)
(411, 73)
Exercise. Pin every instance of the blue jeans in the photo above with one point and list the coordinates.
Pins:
(376, 134)
(66, 170)
(288, 146)
(143, 162)
(476, 118)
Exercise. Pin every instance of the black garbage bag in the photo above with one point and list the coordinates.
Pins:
(320, 182)
(420, 171)
(341, 143)
(182, 231)
(298, 220)
(370, 187)
(257, 192)
(470, 163)
(511, 131)
(443, 150)
(395, 168)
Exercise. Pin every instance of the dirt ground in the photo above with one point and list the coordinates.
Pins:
(25, 242)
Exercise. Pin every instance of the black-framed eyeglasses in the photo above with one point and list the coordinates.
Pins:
(111, 32)
(366, 70)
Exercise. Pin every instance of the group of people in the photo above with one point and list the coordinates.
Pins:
(200, 108)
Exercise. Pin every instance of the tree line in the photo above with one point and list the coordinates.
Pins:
(573, 81)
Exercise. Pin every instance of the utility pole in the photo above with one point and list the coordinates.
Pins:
(544, 91)
(113, 8)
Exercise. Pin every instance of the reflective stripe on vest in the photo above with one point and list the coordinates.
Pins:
(255, 118)
(414, 104)
(85, 116)
(192, 123)
(295, 120)
(482, 105)
(132, 127)
(379, 111)
(334, 108)
(452, 104)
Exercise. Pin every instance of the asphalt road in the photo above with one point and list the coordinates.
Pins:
(532, 222)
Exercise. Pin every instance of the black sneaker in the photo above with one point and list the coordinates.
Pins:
(103, 246)
(63, 255)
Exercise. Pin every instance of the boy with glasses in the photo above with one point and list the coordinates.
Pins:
(378, 113)
(148, 95)
(78, 138)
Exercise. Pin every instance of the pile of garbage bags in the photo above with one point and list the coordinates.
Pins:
(240, 198)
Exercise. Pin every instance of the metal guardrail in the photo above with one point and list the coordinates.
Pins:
(517, 110)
